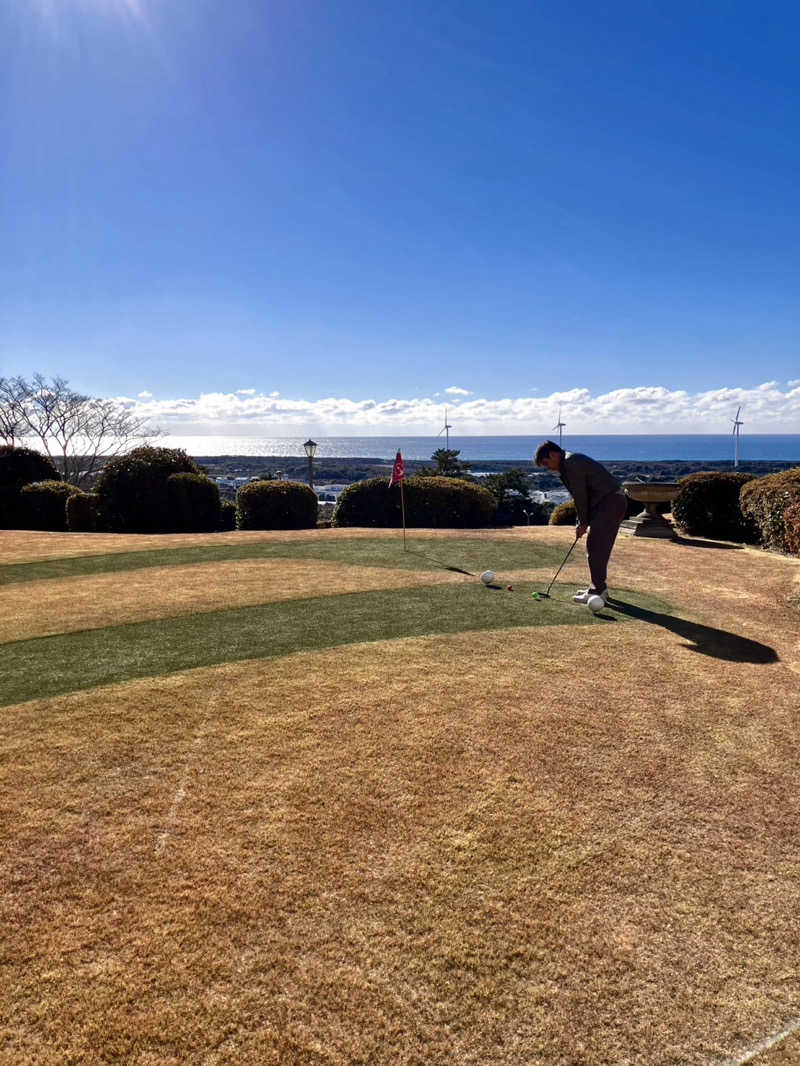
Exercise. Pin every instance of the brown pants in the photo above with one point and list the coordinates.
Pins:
(603, 529)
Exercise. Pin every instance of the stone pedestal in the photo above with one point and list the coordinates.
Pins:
(648, 523)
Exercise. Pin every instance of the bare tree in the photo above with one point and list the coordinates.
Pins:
(77, 432)
(12, 403)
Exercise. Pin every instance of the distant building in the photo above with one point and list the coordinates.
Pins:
(557, 496)
(329, 493)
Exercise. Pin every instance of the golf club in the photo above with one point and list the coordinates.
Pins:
(546, 595)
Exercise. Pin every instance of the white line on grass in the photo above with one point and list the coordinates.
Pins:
(191, 761)
(765, 1045)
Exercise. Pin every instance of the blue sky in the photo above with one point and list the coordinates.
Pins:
(319, 216)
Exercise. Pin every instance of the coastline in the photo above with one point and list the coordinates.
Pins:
(344, 470)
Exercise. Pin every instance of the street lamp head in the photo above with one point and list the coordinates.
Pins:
(310, 448)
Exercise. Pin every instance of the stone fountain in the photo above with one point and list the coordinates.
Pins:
(648, 523)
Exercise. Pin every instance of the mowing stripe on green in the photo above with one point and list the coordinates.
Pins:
(48, 666)
(433, 554)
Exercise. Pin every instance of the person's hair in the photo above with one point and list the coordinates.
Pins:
(545, 449)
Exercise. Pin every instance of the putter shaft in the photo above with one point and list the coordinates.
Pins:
(555, 575)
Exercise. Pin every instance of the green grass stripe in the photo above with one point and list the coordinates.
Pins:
(48, 666)
(433, 554)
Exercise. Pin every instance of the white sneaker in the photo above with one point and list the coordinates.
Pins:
(582, 595)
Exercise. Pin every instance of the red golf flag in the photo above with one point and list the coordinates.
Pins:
(397, 470)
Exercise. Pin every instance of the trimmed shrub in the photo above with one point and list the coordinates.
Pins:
(539, 513)
(565, 514)
(276, 505)
(43, 505)
(82, 510)
(765, 501)
(448, 503)
(517, 511)
(546, 507)
(227, 516)
(18, 467)
(708, 506)
(791, 521)
(193, 503)
(134, 493)
(369, 503)
(431, 502)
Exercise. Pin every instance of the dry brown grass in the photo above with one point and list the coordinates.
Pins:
(551, 847)
(432, 851)
(30, 546)
(787, 1053)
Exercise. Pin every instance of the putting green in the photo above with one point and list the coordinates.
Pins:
(47, 666)
(472, 555)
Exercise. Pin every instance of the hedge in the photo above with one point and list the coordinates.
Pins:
(276, 505)
(565, 514)
(18, 467)
(134, 493)
(43, 505)
(791, 520)
(707, 505)
(369, 503)
(517, 511)
(431, 502)
(227, 516)
(82, 510)
(193, 501)
(765, 501)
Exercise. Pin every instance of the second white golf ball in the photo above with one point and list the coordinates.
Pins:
(487, 577)
(595, 604)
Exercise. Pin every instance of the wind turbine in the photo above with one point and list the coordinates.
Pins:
(736, 425)
(446, 430)
(559, 426)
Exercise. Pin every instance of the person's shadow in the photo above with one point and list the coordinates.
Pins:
(719, 544)
(704, 639)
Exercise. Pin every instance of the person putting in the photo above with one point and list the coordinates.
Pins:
(600, 507)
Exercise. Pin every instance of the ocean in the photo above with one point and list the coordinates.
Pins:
(643, 448)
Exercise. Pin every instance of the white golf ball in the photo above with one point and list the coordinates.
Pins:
(487, 577)
(595, 604)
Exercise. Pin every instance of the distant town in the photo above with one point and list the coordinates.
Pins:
(331, 476)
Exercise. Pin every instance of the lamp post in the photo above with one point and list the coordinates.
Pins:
(310, 447)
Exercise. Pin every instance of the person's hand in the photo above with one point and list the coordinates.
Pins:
(580, 531)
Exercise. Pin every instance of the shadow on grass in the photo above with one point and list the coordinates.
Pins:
(438, 562)
(706, 640)
(691, 542)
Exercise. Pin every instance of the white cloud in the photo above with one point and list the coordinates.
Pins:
(274, 394)
(145, 395)
(454, 390)
(654, 409)
(794, 383)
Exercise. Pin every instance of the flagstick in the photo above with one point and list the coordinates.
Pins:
(403, 507)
